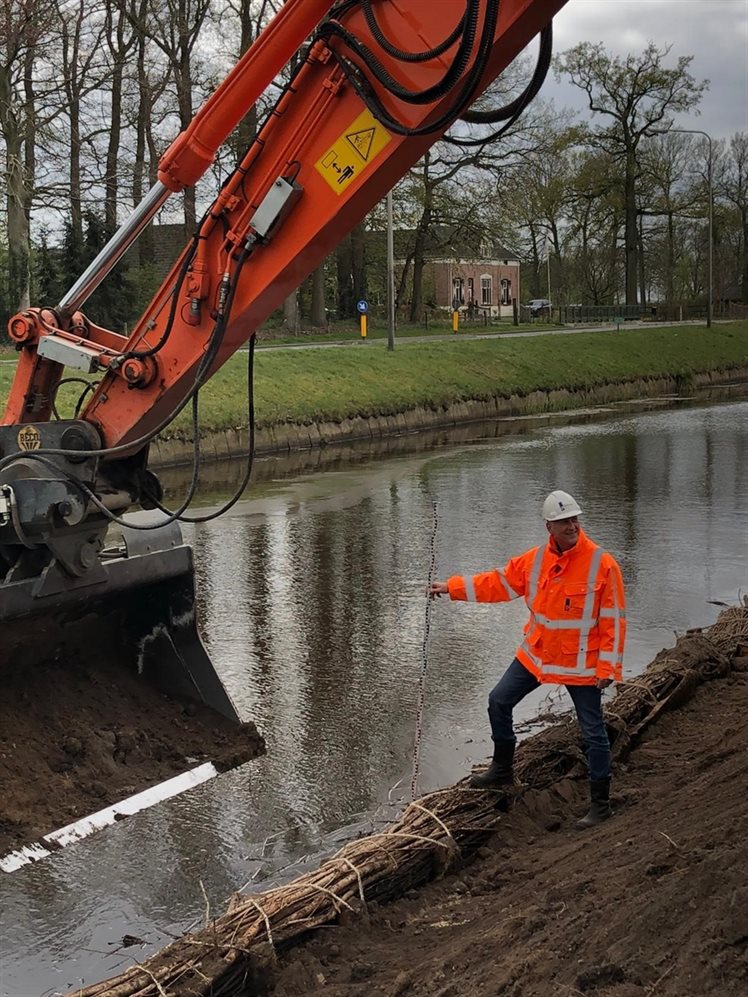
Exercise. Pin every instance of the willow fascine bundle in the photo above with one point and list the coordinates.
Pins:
(220, 959)
(730, 632)
(431, 832)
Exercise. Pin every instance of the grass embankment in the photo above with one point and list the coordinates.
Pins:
(303, 386)
(364, 379)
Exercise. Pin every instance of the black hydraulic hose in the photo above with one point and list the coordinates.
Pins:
(181, 275)
(364, 89)
(200, 378)
(518, 105)
(250, 450)
(402, 54)
(219, 330)
(332, 28)
(88, 386)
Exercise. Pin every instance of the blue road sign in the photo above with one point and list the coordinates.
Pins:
(362, 306)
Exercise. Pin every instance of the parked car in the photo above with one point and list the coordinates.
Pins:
(539, 306)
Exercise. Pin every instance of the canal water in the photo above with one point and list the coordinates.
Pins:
(312, 605)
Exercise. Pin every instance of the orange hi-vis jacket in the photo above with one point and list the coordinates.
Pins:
(577, 623)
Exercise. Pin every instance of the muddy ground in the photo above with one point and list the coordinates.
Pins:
(654, 903)
(77, 736)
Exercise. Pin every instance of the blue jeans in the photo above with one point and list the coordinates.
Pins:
(517, 682)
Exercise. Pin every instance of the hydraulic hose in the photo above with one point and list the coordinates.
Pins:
(515, 107)
(362, 85)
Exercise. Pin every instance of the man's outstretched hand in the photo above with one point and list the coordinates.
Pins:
(438, 589)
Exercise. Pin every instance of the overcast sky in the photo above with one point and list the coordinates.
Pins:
(714, 32)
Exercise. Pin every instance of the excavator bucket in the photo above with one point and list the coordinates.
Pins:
(109, 696)
(141, 608)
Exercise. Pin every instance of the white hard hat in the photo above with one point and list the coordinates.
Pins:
(560, 505)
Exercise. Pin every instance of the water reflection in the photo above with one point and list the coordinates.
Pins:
(311, 600)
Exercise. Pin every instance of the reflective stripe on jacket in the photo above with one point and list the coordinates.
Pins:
(577, 625)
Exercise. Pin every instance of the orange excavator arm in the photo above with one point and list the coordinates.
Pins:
(340, 136)
(375, 83)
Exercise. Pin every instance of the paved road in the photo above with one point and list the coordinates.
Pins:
(537, 331)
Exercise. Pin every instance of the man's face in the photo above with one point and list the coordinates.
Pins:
(564, 531)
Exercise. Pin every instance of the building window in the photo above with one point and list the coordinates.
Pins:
(485, 291)
(458, 291)
(471, 290)
(506, 292)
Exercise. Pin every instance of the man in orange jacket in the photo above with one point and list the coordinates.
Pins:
(574, 637)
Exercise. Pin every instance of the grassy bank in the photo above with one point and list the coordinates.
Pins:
(331, 384)
(310, 385)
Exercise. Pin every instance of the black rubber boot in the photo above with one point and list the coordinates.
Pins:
(499, 772)
(600, 804)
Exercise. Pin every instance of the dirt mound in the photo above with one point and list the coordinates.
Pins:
(655, 902)
(75, 738)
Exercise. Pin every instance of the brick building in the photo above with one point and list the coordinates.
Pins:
(473, 272)
(478, 275)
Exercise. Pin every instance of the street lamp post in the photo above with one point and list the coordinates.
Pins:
(710, 301)
(390, 275)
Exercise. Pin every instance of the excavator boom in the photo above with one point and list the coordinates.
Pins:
(335, 143)
(370, 86)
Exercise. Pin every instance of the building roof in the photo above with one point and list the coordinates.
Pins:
(448, 242)
(443, 242)
(467, 243)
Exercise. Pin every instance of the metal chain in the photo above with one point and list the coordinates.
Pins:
(424, 659)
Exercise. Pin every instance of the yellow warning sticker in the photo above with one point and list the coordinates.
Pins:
(354, 150)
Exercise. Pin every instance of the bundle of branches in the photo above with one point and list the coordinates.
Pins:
(669, 681)
(225, 957)
(219, 959)
(730, 632)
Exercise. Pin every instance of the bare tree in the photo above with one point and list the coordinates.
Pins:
(671, 194)
(637, 95)
(442, 203)
(318, 310)
(23, 27)
(151, 83)
(82, 72)
(350, 262)
(734, 187)
(540, 191)
(120, 43)
(174, 26)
